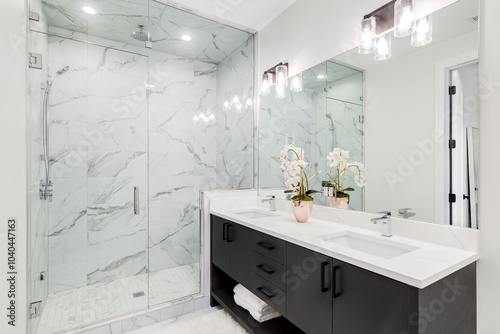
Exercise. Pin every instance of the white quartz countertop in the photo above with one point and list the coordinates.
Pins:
(424, 265)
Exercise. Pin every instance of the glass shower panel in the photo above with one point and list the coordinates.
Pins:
(97, 253)
(39, 212)
(346, 121)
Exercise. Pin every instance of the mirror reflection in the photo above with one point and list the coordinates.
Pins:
(397, 117)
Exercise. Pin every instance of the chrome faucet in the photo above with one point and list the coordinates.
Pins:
(385, 220)
(272, 202)
(404, 213)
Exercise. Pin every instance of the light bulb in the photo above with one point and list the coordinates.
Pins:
(236, 99)
(264, 89)
(406, 19)
(366, 40)
(249, 102)
(296, 85)
(423, 27)
(281, 79)
(382, 46)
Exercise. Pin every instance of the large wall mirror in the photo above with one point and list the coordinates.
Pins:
(419, 144)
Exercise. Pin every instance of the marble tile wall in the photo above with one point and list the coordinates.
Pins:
(235, 119)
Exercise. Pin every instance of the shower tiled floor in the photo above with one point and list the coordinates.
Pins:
(84, 306)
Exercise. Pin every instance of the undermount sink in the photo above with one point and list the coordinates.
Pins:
(382, 248)
(254, 214)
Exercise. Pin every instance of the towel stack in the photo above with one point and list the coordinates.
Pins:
(259, 310)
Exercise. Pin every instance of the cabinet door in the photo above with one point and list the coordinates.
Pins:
(238, 239)
(219, 245)
(309, 290)
(365, 302)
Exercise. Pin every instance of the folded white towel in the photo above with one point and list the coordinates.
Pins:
(252, 300)
(257, 316)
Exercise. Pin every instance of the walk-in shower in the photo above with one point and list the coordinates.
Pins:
(46, 185)
(113, 133)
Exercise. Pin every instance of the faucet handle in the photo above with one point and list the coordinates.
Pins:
(385, 213)
(271, 196)
(403, 211)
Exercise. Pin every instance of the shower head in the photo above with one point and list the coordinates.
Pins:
(63, 70)
(140, 36)
(51, 80)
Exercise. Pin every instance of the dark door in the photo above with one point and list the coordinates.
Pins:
(366, 302)
(309, 290)
(220, 254)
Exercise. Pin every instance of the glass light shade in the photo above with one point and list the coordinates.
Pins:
(404, 18)
(281, 75)
(280, 91)
(296, 83)
(383, 46)
(367, 37)
(423, 32)
(265, 86)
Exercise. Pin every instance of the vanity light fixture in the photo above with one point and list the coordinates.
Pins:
(89, 10)
(423, 32)
(404, 18)
(399, 16)
(277, 75)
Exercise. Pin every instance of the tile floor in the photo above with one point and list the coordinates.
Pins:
(87, 305)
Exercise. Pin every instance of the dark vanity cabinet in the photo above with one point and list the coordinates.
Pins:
(317, 294)
(230, 249)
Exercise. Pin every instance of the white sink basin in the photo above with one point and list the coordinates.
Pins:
(386, 249)
(253, 214)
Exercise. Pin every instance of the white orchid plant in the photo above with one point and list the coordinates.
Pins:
(337, 160)
(296, 179)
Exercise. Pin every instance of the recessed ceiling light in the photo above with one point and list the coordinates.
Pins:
(186, 37)
(89, 10)
(321, 76)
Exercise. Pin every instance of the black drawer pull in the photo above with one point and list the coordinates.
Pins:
(268, 294)
(265, 246)
(230, 235)
(224, 231)
(268, 271)
(323, 288)
(336, 283)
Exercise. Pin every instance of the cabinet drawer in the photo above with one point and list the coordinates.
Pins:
(268, 269)
(269, 246)
(269, 293)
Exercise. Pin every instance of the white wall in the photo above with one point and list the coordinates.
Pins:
(489, 160)
(13, 150)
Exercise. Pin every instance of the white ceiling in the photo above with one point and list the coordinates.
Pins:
(252, 14)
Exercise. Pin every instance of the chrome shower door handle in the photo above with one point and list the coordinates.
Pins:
(136, 200)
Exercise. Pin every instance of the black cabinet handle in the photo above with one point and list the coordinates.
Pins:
(230, 236)
(265, 246)
(268, 294)
(336, 282)
(224, 231)
(323, 266)
(261, 267)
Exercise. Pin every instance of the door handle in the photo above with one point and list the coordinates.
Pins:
(323, 266)
(136, 200)
(268, 294)
(265, 246)
(228, 233)
(224, 231)
(336, 282)
(261, 267)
